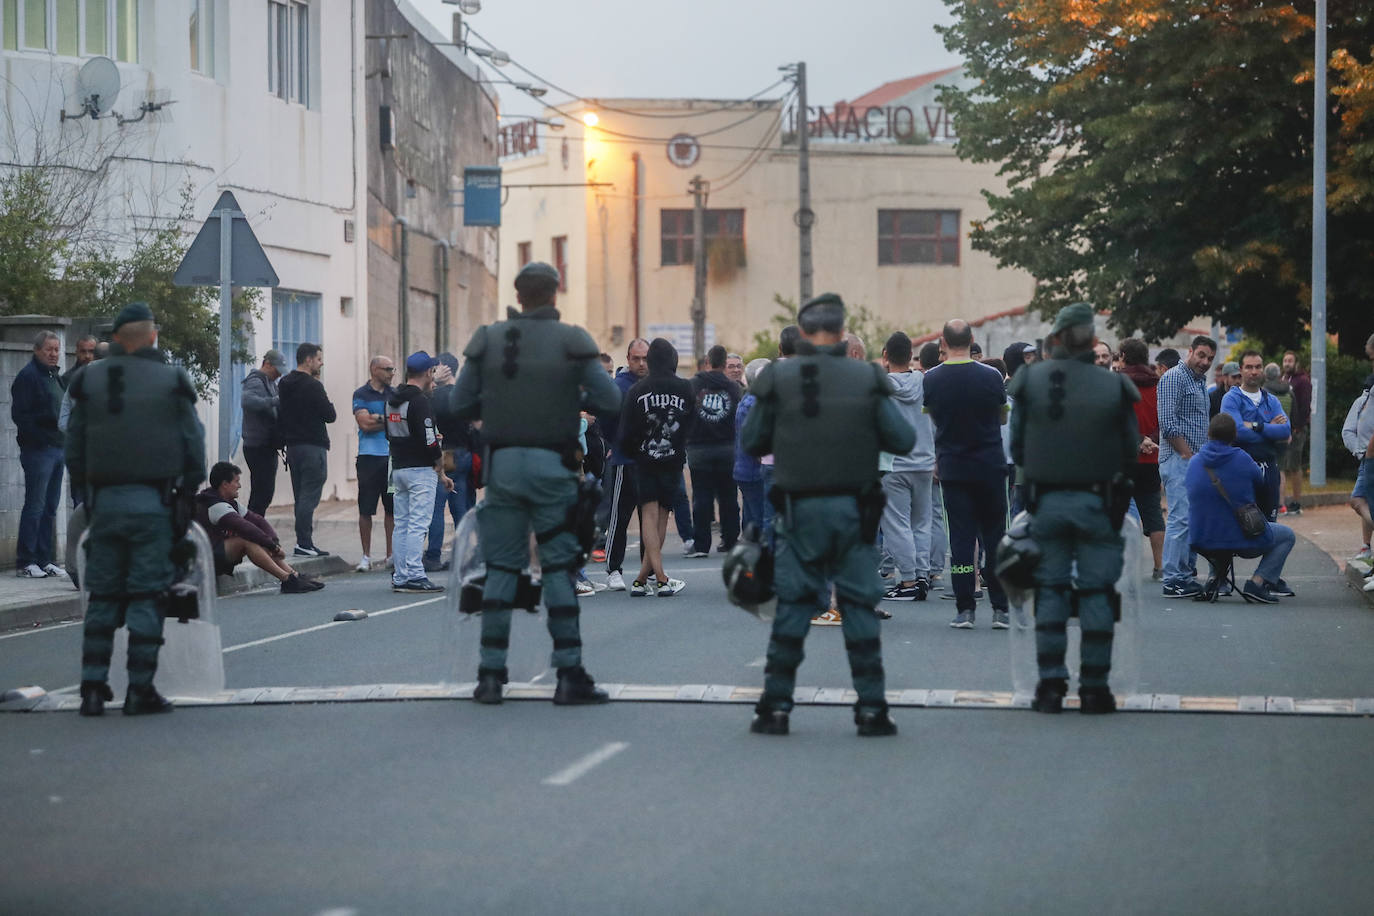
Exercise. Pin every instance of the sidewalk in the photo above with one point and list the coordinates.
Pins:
(1336, 530)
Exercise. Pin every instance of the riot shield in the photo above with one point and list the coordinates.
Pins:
(1125, 676)
(190, 663)
(76, 528)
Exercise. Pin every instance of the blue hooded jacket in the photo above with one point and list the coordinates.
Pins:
(1258, 444)
(1212, 523)
(610, 424)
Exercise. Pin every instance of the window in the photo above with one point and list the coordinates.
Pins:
(724, 230)
(918, 237)
(201, 29)
(72, 28)
(522, 254)
(560, 261)
(295, 320)
(288, 50)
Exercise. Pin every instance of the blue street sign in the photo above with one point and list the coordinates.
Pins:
(482, 195)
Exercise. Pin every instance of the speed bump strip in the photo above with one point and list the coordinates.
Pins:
(720, 693)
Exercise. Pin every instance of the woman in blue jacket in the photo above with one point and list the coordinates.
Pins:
(1212, 524)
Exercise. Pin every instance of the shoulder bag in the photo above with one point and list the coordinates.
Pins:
(1251, 520)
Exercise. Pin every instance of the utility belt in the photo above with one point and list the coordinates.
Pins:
(1115, 495)
(570, 453)
(871, 501)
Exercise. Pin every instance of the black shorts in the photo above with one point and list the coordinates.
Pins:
(372, 484)
(658, 484)
(222, 565)
(1147, 486)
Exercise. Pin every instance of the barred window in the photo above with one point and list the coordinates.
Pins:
(724, 228)
(918, 237)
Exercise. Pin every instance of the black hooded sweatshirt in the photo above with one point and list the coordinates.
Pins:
(658, 411)
(716, 398)
(411, 433)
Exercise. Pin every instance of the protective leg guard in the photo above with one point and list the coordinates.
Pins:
(94, 696)
(489, 681)
(1049, 695)
(576, 688)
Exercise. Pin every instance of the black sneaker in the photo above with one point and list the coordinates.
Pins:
(922, 588)
(1295, 508)
(1096, 701)
(1281, 589)
(1259, 594)
(1186, 590)
(302, 550)
(145, 700)
(769, 722)
(94, 696)
(874, 723)
(1049, 695)
(900, 592)
(422, 586)
(576, 688)
(436, 566)
(882, 614)
(295, 585)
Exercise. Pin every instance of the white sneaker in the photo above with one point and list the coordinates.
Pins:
(57, 572)
(615, 582)
(387, 563)
(1364, 553)
(1369, 586)
(584, 588)
(364, 565)
(669, 588)
(688, 548)
(32, 571)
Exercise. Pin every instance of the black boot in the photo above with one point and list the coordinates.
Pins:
(768, 721)
(94, 696)
(1096, 701)
(145, 700)
(489, 681)
(874, 722)
(1049, 695)
(576, 688)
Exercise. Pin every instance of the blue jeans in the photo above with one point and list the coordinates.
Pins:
(414, 503)
(1364, 482)
(751, 502)
(1179, 558)
(42, 492)
(456, 502)
(1270, 567)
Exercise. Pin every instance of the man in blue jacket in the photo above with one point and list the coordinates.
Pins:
(35, 400)
(1212, 523)
(1261, 426)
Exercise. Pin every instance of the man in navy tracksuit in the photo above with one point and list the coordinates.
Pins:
(1260, 427)
(711, 454)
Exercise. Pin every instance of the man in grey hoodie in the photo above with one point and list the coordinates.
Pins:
(907, 515)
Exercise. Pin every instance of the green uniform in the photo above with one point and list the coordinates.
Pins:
(824, 418)
(526, 379)
(1073, 431)
(132, 436)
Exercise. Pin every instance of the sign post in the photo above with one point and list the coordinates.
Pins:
(226, 254)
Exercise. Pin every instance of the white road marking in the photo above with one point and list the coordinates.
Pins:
(582, 767)
(338, 911)
(46, 628)
(325, 626)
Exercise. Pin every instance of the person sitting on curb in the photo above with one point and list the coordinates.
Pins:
(235, 532)
(1212, 523)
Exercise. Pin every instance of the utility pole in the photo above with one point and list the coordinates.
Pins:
(805, 216)
(1319, 111)
(698, 188)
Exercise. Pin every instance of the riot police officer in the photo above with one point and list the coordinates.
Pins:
(526, 379)
(825, 418)
(134, 447)
(1074, 434)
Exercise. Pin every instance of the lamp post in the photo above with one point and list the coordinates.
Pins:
(1319, 111)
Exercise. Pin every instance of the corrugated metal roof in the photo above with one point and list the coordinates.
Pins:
(888, 92)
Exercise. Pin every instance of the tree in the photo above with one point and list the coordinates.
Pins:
(859, 319)
(1158, 159)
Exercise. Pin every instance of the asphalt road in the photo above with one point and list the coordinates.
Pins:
(447, 807)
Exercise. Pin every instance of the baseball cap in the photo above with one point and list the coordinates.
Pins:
(276, 359)
(419, 361)
(1231, 369)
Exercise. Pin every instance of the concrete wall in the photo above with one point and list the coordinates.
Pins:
(445, 121)
(16, 351)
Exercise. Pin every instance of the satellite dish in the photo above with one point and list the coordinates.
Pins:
(97, 86)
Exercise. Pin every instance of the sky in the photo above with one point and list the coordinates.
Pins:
(706, 48)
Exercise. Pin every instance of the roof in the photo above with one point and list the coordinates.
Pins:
(889, 92)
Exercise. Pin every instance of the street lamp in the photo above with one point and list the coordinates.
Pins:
(529, 88)
(469, 7)
(590, 119)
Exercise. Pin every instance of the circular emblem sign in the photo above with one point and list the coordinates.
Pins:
(684, 150)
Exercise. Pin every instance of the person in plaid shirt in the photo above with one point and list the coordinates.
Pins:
(1183, 416)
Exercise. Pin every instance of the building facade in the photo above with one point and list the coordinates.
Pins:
(892, 203)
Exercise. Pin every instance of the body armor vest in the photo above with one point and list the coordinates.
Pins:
(531, 371)
(825, 439)
(133, 432)
(1074, 421)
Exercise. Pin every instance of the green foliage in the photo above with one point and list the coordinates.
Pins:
(38, 274)
(860, 320)
(1158, 157)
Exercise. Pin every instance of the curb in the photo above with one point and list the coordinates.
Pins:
(246, 578)
(1354, 574)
